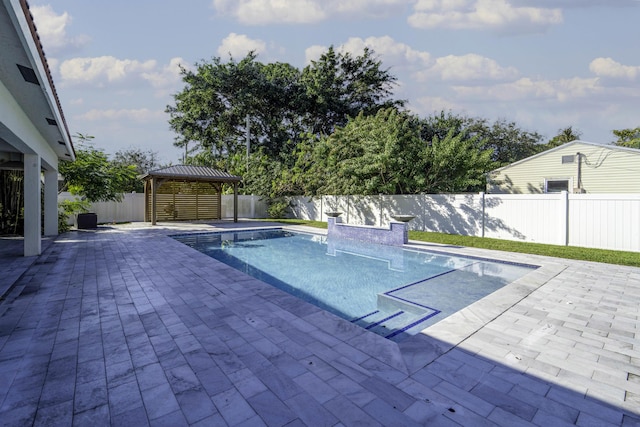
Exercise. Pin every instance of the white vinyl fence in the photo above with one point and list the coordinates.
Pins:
(607, 221)
(131, 208)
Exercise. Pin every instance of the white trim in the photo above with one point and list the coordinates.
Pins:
(569, 184)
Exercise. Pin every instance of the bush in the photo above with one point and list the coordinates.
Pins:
(66, 208)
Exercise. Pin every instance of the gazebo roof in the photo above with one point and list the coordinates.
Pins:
(195, 173)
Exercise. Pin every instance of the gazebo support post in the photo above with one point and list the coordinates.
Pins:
(153, 200)
(235, 202)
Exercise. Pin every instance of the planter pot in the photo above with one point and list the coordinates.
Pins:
(87, 220)
(403, 218)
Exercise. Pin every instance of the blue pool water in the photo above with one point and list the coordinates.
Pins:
(389, 290)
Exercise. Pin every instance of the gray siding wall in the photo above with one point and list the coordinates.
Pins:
(603, 170)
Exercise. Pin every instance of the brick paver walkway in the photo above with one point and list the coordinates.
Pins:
(128, 327)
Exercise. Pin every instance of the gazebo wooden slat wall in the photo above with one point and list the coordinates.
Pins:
(185, 200)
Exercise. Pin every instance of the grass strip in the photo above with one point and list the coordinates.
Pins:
(558, 251)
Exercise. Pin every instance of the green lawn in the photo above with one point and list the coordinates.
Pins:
(569, 252)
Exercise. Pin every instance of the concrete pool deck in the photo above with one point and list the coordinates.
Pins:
(125, 326)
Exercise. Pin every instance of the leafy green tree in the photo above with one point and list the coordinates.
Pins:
(385, 153)
(92, 177)
(506, 140)
(628, 137)
(281, 102)
(456, 164)
(11, 202)
(370, 155)
(339, 86)
(143, 161)
(218, 97)
(564, 136)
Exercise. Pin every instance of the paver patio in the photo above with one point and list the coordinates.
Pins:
(125, 326)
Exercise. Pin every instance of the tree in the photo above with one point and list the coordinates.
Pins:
(370, 155)
(506, 140)
(281, 102)
(212, 110)
(92, 177)
(628, 137)
(564, 136)
(385, 153)
(11, 202)
(143, 161)
(339, 86)
(456, 164)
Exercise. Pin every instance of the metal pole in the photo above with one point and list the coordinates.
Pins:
(248, 138)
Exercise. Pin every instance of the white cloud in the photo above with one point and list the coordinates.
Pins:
(498, 15)
(167, 78)
(52, 29)
(103, 69)
(261, 12)
(467, 68)
(312, 53)
(142, 115)
(429, 104)
(575, 4)
(607, 67)
(392, 53)
(528, 89)
(239, 45)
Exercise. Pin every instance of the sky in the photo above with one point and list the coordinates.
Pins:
(543, 64)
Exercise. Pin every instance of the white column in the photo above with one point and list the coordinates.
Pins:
(51, 202)
(32, 208)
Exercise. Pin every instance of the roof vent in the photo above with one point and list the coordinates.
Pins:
(28, 74)
(568, 159)
(52, 122)
(61, 142)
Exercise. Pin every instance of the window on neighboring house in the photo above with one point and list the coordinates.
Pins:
(556, 185)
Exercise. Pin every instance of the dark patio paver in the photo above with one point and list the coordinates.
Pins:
(124, 326)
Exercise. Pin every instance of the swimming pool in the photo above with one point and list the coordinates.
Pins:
(389, 290)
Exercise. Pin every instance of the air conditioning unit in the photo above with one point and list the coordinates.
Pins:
(578, 190)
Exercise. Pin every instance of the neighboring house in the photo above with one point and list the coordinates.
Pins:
(33, 132)
(576, 167)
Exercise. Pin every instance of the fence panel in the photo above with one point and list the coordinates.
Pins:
(453, 214)
(306, 208)
(131, 208)
(248, 207)
(363, 210)
(528, 217)
(607, 221)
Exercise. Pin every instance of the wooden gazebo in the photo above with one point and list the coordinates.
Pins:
(182, 193)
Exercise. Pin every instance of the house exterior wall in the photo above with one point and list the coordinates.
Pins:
(603, 169)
